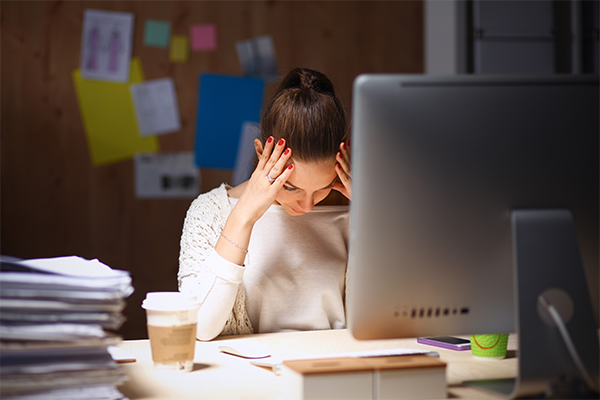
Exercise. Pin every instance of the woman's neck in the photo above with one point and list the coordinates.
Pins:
(236, 192)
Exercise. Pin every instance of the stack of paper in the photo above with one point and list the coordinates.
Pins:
(55, 314)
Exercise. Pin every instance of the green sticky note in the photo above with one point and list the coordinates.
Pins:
(157, 33)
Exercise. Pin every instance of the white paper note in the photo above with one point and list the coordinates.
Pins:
(245, 155)
(166, 175)
(257, 57)
(106, 43)
(156, 108)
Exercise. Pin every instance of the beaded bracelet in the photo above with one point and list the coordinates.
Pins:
(245, 251)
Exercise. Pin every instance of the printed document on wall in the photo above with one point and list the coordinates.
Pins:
(156, 107)
(106, 43)
(257, 57)
(244, 161)
(166, 175)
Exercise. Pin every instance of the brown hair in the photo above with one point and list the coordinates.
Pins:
(307, 114)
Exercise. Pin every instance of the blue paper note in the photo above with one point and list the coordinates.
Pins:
(225, 102)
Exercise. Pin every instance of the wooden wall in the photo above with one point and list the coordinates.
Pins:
(54, 202)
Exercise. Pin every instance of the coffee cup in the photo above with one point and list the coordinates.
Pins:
(489, 346)
(171, 322)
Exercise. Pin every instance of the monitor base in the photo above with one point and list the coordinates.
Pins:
(558, 349)
(561, 388)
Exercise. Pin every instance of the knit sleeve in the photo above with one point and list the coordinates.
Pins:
(203, 273)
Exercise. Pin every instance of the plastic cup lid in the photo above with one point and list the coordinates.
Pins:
(169, 301)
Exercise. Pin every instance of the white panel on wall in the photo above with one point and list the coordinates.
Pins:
(445, 36)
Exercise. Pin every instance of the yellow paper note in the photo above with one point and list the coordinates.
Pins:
(109, 118)
(180, 49)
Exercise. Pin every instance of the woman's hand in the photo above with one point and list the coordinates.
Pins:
(259, 194)
(267, 179)
(342, 167)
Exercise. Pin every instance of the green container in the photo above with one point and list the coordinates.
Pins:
(490, 346)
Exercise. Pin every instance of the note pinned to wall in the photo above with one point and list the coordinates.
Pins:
(179, 52)
(166, 175)
(109, 118)
(203, 37)
(106, 43)
(244, 161)
(156, 107)
(157, 33)
(225, 102)
(257, 57)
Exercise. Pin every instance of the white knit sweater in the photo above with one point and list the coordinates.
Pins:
(224, 290)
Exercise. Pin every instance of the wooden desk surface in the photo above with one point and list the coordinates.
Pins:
(221, 376)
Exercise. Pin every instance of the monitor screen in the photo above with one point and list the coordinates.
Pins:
(438, 165)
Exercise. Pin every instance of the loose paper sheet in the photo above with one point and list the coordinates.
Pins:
(245, 156)
(109, 118)
(106, 44)
(166, 175)
(73, 266)
(225, 103)
(156, 107)
(257, 57)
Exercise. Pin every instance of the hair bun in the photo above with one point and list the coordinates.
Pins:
(308, 81)
(304, 78)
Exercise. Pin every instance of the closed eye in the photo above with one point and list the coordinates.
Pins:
(293, 188)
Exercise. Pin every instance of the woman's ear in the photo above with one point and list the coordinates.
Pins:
(258, 146)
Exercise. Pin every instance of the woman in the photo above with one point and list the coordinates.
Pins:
(255, 255)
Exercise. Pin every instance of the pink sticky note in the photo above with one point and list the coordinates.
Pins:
(203, 37)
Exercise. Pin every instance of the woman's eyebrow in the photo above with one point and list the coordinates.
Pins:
(296, 187)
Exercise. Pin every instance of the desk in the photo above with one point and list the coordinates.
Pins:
(221, 376)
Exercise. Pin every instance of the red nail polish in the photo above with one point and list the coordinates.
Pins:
(281, 142)
(291, 166)
(270, 139)
(286, 152)
(344, 145)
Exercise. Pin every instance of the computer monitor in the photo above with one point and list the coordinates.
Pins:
(443, 167)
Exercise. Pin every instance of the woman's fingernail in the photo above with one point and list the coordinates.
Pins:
(286, 152)
(344, 145)
(281, 142)
(291, 166)
(270, 139)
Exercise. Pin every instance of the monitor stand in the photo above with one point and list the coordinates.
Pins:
(558, 347)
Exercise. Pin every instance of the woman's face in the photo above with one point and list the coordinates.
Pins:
(309, 184)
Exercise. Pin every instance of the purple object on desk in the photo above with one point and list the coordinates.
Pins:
(446, 342)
